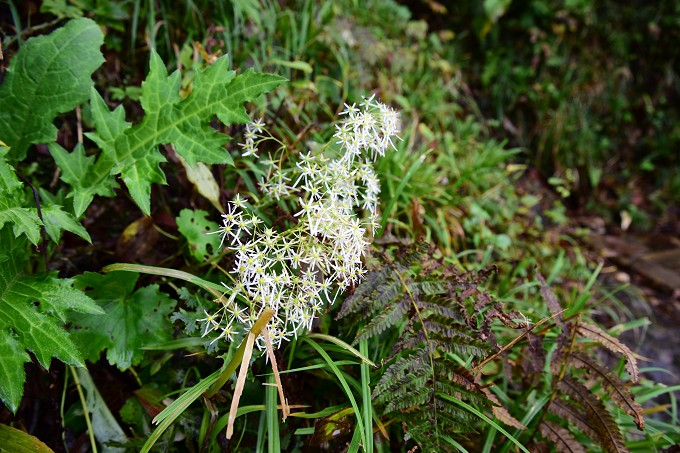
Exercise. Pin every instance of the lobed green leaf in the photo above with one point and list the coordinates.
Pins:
(134, 319)
(132, 151)
(31, 309)
(49, 75)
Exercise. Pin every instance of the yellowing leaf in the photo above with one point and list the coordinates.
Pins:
(201, 176)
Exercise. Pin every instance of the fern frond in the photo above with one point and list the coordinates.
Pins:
(432, 302)
(436, 285)
(393, 373)
(414, 398)
(605, 427)
(612, 385)
(574, 416)
(441, 307)
(360, 299)
(550, 300)
(595, 333)
(390, 316)
(563, 440)
(459, 343)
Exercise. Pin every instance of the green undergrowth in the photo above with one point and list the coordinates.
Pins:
(454, 340)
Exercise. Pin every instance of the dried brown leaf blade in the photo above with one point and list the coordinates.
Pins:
(550, 300)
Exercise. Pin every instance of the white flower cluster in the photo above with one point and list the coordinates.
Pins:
(298, 271)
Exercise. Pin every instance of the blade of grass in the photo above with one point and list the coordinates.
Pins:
(174, 410)
(17, 22)
(367, 407)
(313, 367)
(472, 410)
(455, 444)
(343, 384)
(272, 415)
(86, 411)
(208, 386)
(343, 345)
(400, 188)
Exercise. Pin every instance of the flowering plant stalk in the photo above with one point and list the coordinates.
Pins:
(296, 272)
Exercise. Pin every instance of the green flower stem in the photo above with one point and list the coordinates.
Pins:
(86, 410)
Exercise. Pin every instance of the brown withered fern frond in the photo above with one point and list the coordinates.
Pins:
(615, 388)
(584, 392)
(564, 441)
(608, 433)
(595, 333)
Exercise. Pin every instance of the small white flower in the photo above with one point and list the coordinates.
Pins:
(295, 272)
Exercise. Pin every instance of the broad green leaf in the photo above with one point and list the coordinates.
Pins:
(132, 151)
(60, 9)
(134, 319)
(49, 75)
(56, 220)
(194, 226)
(139, 176)
(59, 297)
(20, 442)
(12, 375)
(28, 305)
(8, 179)
(75, 166)
(495, 9)
(23, 220)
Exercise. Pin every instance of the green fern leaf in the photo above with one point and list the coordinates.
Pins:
(360, 299)
(417, 387)
(390, 316)
(441, 307)
(49, 75)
